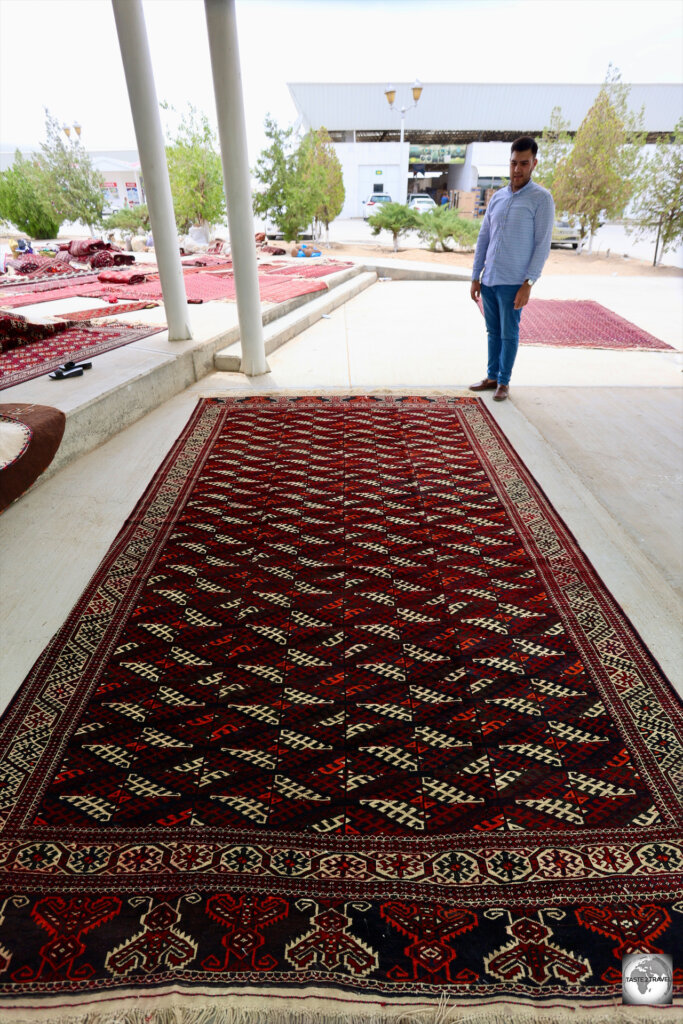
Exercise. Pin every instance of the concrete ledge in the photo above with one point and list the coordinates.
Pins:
(411, 271)
(343, 286)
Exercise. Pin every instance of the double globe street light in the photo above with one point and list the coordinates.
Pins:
(390, 93)
(66, 128)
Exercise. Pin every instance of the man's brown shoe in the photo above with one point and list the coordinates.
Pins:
(484, 385)
(502, 392)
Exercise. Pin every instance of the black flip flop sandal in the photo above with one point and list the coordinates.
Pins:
(71, 365)
(60, 374)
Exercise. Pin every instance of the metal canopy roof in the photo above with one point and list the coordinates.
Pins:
(464, 112)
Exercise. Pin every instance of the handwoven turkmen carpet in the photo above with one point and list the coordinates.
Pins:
(115, 309)
(76, 343)
(344, 725)
(578, 323)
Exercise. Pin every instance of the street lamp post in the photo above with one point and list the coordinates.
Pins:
(66, 128)
(390, 93)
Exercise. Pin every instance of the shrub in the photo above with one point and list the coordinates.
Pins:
(396, 218)
(131, 218)
(442, 224)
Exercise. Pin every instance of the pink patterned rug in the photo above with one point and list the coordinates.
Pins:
(206, 287)
(579, 323)
(29, 292)
(76, 343)
(309, 270)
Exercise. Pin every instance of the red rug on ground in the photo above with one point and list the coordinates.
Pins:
(305, 269)
(344, 718)
(115, 309)
(51, 291)
(578, 323)
(75, 343)
(206, 287)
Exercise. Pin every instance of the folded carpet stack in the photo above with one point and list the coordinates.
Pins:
(81, 248)
(123, 276)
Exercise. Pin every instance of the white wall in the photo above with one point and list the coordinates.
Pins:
(360, 161)
(463, 176)
(121, 179)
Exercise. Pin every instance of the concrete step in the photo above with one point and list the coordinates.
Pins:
(342, 286)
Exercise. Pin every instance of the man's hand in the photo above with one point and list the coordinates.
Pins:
(475, 290)
(522, 296)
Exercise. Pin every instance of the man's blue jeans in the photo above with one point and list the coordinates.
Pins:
(502, 326)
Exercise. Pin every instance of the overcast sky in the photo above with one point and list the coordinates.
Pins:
(63, 54)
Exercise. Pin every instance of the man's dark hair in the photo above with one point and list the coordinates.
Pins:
(523, 143)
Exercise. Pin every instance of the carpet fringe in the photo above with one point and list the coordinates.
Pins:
(441, 1013)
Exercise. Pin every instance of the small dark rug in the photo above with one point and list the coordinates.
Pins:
(345, 727)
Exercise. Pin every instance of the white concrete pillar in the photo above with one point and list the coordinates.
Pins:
(137, 66)
(227, 84)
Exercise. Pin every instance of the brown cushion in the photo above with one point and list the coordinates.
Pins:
(46, 426)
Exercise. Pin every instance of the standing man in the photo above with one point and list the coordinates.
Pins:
(512, 247)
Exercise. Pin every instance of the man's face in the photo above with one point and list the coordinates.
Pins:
(522, 164)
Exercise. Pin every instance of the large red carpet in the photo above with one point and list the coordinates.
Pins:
(75, 343)
(344, 720)
(575, 323)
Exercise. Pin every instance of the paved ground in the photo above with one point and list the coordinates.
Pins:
(600, 430)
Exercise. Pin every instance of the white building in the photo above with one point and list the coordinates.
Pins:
(457, 136)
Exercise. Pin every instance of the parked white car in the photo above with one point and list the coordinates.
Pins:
(421, 202)
(372, 203)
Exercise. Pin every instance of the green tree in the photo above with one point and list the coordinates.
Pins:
(130, 218)
(69, 183)
(321, 173)
(443, 225)
(553, 147)
(658, 203)
(195, 172)
(598, 176)
(284, 196)
(23, 201)
(395, 218)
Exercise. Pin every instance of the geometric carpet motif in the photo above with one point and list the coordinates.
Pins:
(75, 343)
(344, 724)
(575, 323)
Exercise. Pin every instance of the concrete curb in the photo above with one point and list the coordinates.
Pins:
(406, 271)
(342, 287)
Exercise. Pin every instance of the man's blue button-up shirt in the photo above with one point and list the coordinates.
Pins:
(514, 240)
